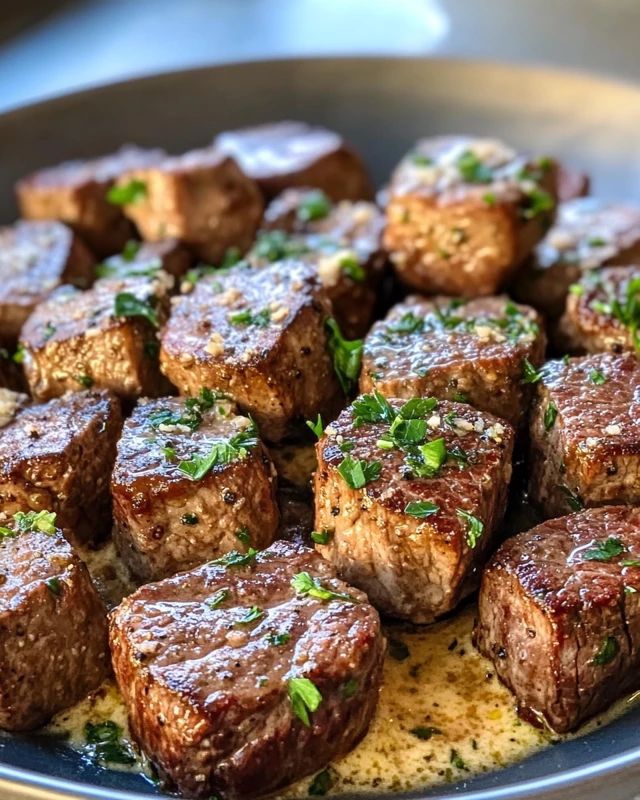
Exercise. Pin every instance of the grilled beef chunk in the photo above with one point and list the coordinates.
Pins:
(249, 673)
(191, 482)
(146, 259)
(282, 155)
(104, 338)
(603, 312)
(408, 498)
(53, 625)
(463, 213)
(472, 352)
(78, 193)
(342, 241)
(59, 455)
(201, 198)
(572, 183)
(260, 336)
(35, 258)
(559, 616)
(585, 434)
(588, 234)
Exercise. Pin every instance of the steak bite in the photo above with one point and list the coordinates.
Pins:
(283, 155)
(477, 352)
(572, 183)
(146, 259)
(104, 338)
(247, 673)
(585, 434)
(559, 616)
(59, 456)
(262, 336)
(35, 258)
(201, 198)
(603, 312)
(53, 625)
(588, 234)
(408, 499)
(463, 213)
(192, 481)
(79, 193)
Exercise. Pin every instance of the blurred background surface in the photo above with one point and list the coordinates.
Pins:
(48, 47)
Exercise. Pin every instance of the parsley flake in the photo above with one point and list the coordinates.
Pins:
(128, 305)
(421, 509)
(346, 355)
(304, 697)
(305, 585)
(474, 529)
(128, 194)
(609, 650)
(358, 473)
(604, 551)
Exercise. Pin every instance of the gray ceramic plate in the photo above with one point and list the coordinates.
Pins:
(382, 106)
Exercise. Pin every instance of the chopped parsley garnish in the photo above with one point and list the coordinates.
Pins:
(472, 169)
(321, 537)
(460, 397)
(313, 206)
(278, 639)
(54, 586)
(276, 245)
(194, 408)
(358, 473)
(106, 744)
(252, 615)
(128, 305)
(420, 160)
(316, 426)
(84, 380)
(243, 535)
(347, 355)
(474, 528)
(130, 250)
(418, 407)
(550, 415)
(372, 408)
(18, 356)
(350, 688)
(353, 269)
(577, 289)
(628, 313)
(397, 649)
(529, 373)
(538, 201)
(347, 446)
(408, 323)
(321, 784)
(456, 760)
(597, 377)
(189, 519)
(609, 650)
(632, 562)
(425, 732)
(459, 455)
(421, 509)
(489, 198)
(168, 452)
(128, 194)
(218, 599)
(231, 257)
(43, 521)
(305, 585)
(304, 698)
(433, 454)
(604, 551)
(237, 448)
(573, 500)
(246, 318)
(236, 559)
(48, 330)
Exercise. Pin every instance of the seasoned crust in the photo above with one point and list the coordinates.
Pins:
(47, 592)
(259, 335)
(287, 154)
(413, 567)
(588, 452)
(201, 198)
(35, 258)
(466, 351)
(165, 521)
(561, 626)
(207, 697)
(75, 340)
(463, 213)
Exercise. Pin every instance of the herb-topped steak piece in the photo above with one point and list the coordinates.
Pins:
(264, 337)
(603, 312)
(146, 259)
(201, 198)
(483, 352)
(81, 194)
(59, 455)
(585, 434)
(53, 625)
(103, 338)
(35, 258)
(343, 242)
(588, 234)
(191, 482)
(409, 496)
(247, 673)
(463, 213)
(560, 615)
(288, 154)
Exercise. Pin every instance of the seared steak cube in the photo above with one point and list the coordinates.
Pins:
(53, 625)
(588, 234)
(585, 434)
(559, 615)
(146, 259)
(288, 154)
(477, 352)
(463, 213)
(59, 456)
(602, 312)
(409, 497)
(261, 336)
(192, 481)
(104, 338)
(248, 673)
(201, 198)
(35, 258)
(79, 193)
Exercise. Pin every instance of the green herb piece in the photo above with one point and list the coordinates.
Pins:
(18, 356)
(550, 415)
(353, 269)
(632, 562)
(313, 206)
(433, 454)
(304, 698)
(43, 521)
(321, 784)
(372, 408)
(358, 473)
(106, 743)
(607, 652)
(85, 381)
(538, 201)
(48, 331)
(278, 639)
(565, 358)
(247, 318)
(128, 194)
(420, 160)
(347, 446)
(573, 500)
(530, 373)
(317, 426)
(54, 586)
(474, 529)
(7, 533)
(321, 537)
(397, 649)
(305, 585)
(489, 198)
(218, 599)
(130, 250)
(252, 615)
(418, 407)
(577, 289)
(408, 323)
(128, 305)
(276, 245)
(460, 397)
(243, 535)
(193, 413)
(597, 377)
(236, 558)
(350, 688)
(456, 760)
(221, 453)
(346, 355)
(459, 455)
(425, 732)
(472, 169)
(169, 453)
(189, 519)
(604, 551)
